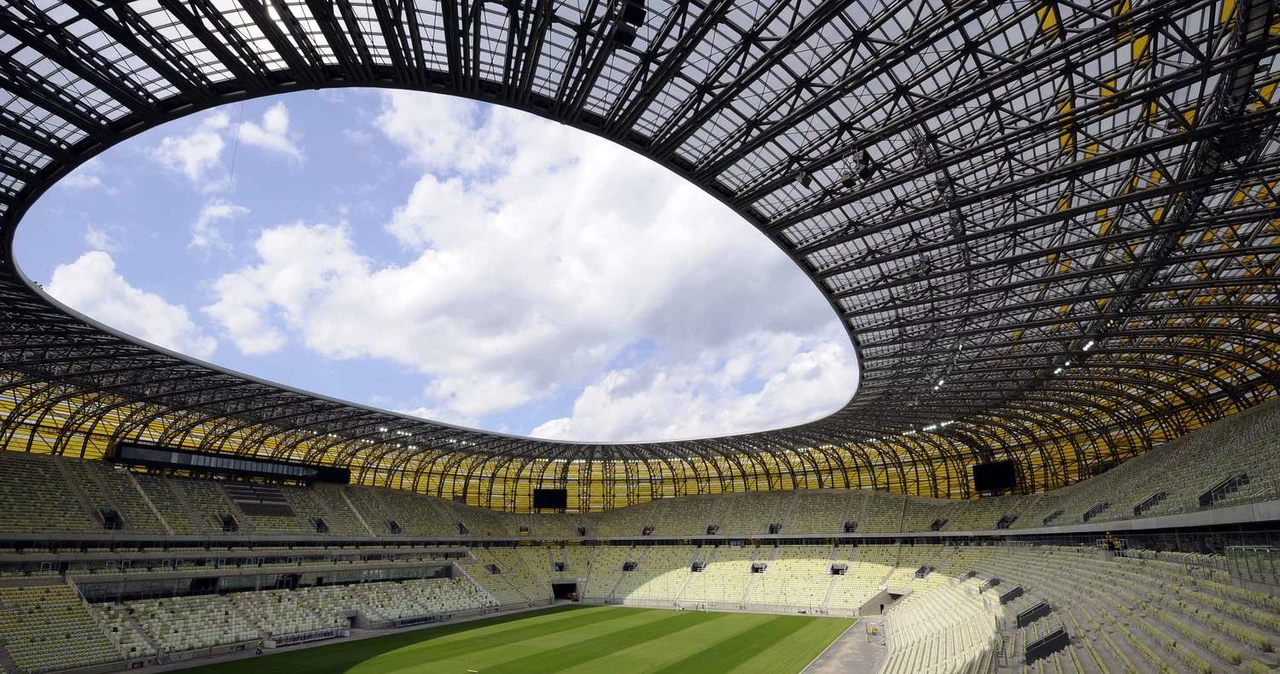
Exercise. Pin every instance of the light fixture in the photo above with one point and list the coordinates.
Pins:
(1089, 345)
(624, 34)
(633, 12)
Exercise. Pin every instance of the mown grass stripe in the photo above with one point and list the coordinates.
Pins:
(572, 641)
(442, 650)
(529, 619)
(729, 653)
(342, 656)
(794, 652)
(487, 658)
(559, 659)
(651, 656)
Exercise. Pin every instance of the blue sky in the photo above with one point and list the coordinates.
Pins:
(446, 259)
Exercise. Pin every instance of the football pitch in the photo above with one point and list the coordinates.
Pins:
(576, 640)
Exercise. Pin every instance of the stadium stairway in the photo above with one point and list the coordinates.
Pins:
(76, 490)
(189, 507)
(7, 665)
(142, 495)
(355, 511)
(137, 627)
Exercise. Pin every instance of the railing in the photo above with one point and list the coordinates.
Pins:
(1223, 489)
(1010, 594)
(1047, 645)
(1032, 614)
(1255, 564)
(1095, 510)
(302, 637)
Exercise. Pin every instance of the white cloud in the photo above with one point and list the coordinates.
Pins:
(440, 133)
(705, 395)
(204, 231)
(537, 257)
(198, 154)
(301, 263)
(98, 237)
(445, 415)
(272, 134)
(87, 176)
(92, 286)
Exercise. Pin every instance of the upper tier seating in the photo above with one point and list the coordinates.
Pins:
(34, 496)
(821, 511)
(1184, 468)
(416, 515)
(335, 502)
(630, 521)
(101, 486)
(688, 516)
(480, 521)
(166, 500)
(208, 502)
(309, 506)
(559, 526)
(882, 513)
(1123, 613)
(40, 494)
(751, 514)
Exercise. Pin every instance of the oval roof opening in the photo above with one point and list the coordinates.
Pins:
(447, 259)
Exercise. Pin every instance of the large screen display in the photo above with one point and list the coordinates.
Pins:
(550, 499)
(996, 476)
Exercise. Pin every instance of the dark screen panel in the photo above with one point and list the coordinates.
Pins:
(995, 476)
(183, 459)
(557, 499)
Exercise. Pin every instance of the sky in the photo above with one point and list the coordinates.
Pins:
(445, 259)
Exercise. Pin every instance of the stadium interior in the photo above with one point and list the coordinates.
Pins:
(1049, 228)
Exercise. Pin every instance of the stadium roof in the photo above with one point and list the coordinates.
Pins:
(1049, 227)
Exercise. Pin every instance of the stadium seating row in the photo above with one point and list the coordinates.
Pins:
(1240, 456)
(946, 630)
(1167, 612)
(141, 628)
(47, 628)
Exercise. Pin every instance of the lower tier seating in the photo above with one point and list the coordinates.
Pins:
(396, 600)
(945, 630)
(280, 612)
(49, 627)
(188, 623)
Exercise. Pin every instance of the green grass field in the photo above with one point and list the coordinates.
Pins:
(576, 640)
